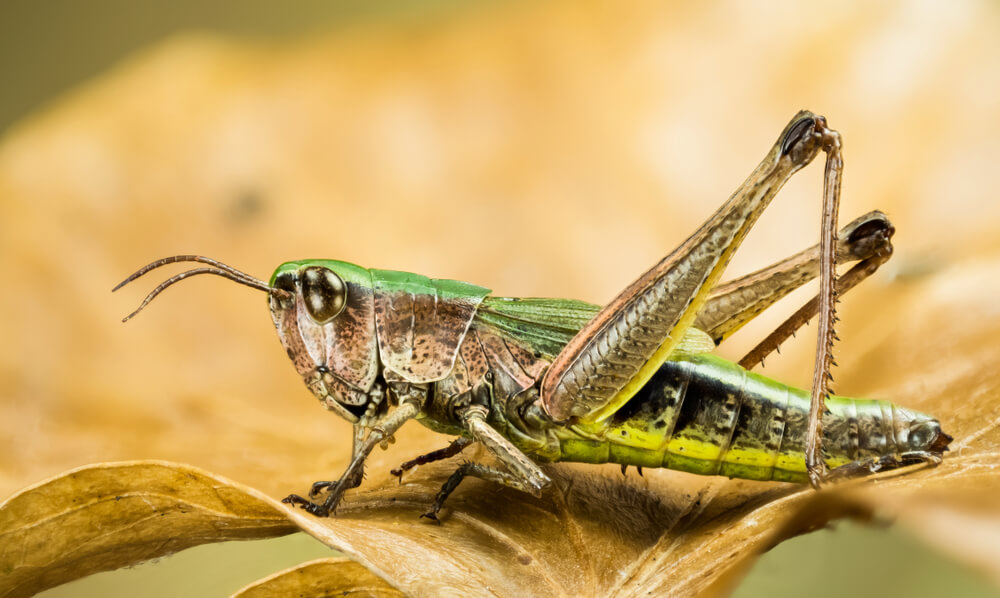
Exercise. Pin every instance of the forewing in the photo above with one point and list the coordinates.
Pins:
(546, 325)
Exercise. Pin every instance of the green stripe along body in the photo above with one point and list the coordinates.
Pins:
(698, 413)
(705, 415)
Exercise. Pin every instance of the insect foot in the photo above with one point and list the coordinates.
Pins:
(335, 491)
(317, 509)
(432, 515)
(319, 487)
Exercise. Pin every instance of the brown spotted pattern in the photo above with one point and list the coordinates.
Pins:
(338, 360)
(499, 353)
(489, 356)
(286, 322)
(351, 346)
(419, 334)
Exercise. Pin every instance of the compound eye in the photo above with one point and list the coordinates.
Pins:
(323, 293)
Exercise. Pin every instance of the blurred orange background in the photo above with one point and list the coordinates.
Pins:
(538, 148)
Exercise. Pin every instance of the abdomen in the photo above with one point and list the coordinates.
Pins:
(706, 415)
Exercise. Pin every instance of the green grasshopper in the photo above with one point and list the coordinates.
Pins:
(633, 383)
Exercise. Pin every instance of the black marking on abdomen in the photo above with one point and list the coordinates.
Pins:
(657, 401)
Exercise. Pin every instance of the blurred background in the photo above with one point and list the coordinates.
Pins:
(547, 148)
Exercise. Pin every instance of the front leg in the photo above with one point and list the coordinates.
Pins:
(380, 431)
(360, 430)
(375, 397)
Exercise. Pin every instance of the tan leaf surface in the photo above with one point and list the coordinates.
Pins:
(322, 577)
(542, 149)
(104, 517)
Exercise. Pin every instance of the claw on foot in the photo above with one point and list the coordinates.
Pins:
(307, 505)
(318, 487)
(432, 516)
(399, 475)
(295, 499)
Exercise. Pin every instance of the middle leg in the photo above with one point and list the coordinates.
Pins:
(456, 447)
(522, 473)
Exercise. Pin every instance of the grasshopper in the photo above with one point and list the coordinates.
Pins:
(633, 383)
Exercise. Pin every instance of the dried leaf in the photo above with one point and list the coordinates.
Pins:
(322, 577)
(107, 516)
(589, 153)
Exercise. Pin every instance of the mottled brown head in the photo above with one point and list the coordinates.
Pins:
(325, 320)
